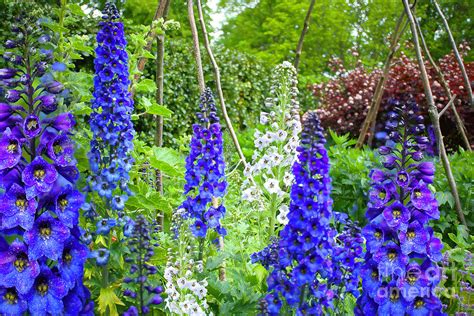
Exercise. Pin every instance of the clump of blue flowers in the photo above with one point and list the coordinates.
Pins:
(141, 244)
(301, 275)
(400, 272)
(112, 105)
(41, 268)
(205, 178)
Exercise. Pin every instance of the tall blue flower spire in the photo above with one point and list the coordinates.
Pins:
(205, 178)
(41, 269)
(300, 275)
(112, 105)
(400, 272)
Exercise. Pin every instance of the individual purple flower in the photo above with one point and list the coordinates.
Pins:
(17, 269)
(66, 204)
(71, 262)
(46, 238)
(39, 176)
(10, 150)
(407, 238)
(17, 210)
(101, 256)
(61, 150)
(45, 297)
(31, 126)
(11, 302)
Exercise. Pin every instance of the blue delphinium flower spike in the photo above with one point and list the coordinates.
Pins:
(112, 105)
(400, 272)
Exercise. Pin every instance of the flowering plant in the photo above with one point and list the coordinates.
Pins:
(41, 265)
(269, 175)
(400, 272)
(111, 125)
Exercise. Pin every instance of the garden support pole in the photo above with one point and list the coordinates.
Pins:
(160, 12)
(377, 98)
(160, 55)
(447, 90)
(467, 83)
(217, 75)
(299, 48)
(433, 112)
(202, 87)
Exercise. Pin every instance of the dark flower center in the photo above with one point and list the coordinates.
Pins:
(21, 262)
(317, 176)
(67, 257)
(411, 234)
(57, 148)
(31, 125)
(394, 294)
(375, 274)
(397, 213)
(39, 173)
(378, 234)
(418, 193)
(392, 254)
(21, 203)
(63, 203)
(12, 146)
(382, 195)
(11, 297)
(45, 230)
(412, 278)
(42, 287)
(419, 303)
(402, 177)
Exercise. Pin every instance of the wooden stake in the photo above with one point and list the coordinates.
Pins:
(196, 50)
(299, 48)
(377, 99)
(444, 84)
(467, 82)
(433, 112)
(217, 75)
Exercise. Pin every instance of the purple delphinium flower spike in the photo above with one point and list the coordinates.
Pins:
(205, 178)
(110, 154)
(39, 205)
(402, 253)
(142, 243)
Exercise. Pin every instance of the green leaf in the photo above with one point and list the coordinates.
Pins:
(147, 54)
(146, 86)
(76, 9)
(167, 161)
(81, 109)
(108, 300)
(55, 27)
(157, 109)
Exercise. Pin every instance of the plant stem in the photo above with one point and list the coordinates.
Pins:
(299, 48)
(196, 50)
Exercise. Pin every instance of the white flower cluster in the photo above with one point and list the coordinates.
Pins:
(185, 294)
(275, 147)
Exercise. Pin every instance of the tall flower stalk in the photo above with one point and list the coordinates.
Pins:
(269, 176)
(112, 105)
(41, 268)
(205, 177)
(400, 272)
(301, 275)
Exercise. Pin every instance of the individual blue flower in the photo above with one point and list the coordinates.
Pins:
(101, 256)
(31, 126)
(11, 302)
(17, 269)
(71, 262)
(105, 225)
(397, 216)
(39, 176)
(45, 297)
(10, 150)
(61, 150)
(66, 205)
(46, 238)
(17, 210)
